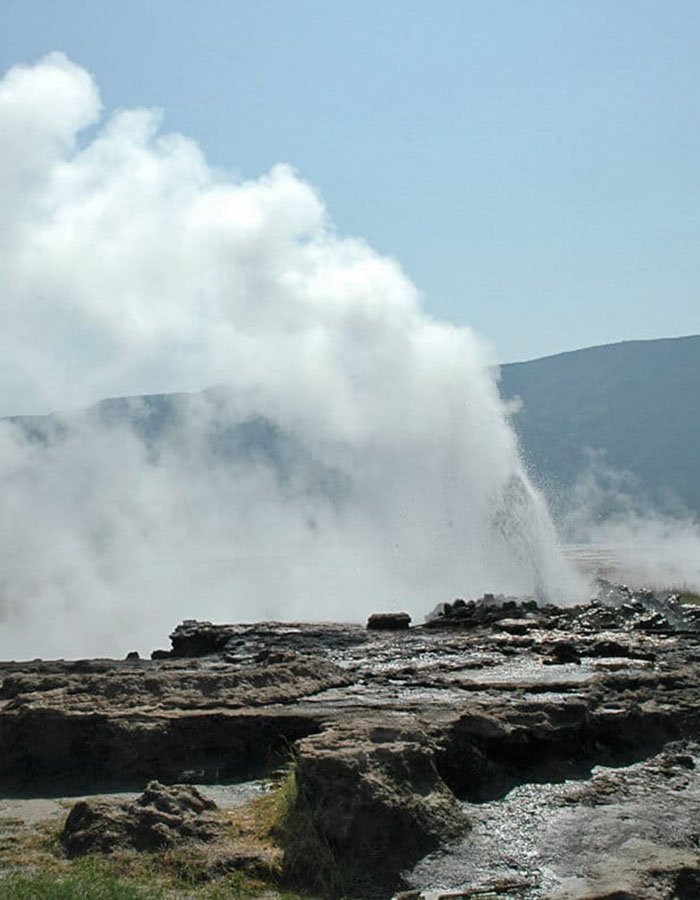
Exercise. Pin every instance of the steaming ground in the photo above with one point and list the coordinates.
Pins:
(117, 525)
(388, 475)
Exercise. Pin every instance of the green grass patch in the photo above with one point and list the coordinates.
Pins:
(309, 863)
(87, 879)
(151, 876)
(32, 865)
(308, 858)
(685, 596)
(189, 871)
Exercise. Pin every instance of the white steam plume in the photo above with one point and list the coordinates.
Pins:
(613, 526)
(129, 266)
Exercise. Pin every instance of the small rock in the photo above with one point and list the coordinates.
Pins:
(515, 626)
(133, 654)
(654, 622)
(193, 638)
(388, 621)
(562, 652)
(607, 649)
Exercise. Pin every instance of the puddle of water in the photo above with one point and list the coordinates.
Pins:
(229, 796)
(533, 671)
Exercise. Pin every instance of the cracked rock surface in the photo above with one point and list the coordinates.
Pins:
(530, 751)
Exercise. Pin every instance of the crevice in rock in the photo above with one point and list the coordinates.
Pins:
(46, 753)
(482, 758)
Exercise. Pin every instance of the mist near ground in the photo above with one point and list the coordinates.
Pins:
(132, 267)
(610, 434)
(606, 518)
(616, 426)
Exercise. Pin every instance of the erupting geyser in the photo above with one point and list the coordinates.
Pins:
(359, 456)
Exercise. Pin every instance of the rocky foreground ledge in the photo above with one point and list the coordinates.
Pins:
(501, 747)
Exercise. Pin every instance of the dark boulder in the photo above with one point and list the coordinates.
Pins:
(388, 621)
(515, 626)
(561, 652)
(193, 638)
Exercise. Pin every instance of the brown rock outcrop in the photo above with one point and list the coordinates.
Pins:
(374, 797)
(161, 817)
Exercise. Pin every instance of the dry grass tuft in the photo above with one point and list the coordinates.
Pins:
(246, 863)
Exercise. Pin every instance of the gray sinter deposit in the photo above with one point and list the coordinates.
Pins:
(533, 751)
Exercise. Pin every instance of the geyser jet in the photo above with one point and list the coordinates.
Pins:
(359, 458)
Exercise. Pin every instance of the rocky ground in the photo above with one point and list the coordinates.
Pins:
(500, 749)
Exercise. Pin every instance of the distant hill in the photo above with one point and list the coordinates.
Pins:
(634, 405)
(633, 408)
(200, 428)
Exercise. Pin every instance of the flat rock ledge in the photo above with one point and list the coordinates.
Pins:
(437, 758)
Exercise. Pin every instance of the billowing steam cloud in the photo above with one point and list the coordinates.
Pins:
(359, 458)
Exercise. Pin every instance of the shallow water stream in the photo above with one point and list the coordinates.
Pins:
(621, 829)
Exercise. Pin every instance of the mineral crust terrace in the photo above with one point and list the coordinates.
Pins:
(396, 732)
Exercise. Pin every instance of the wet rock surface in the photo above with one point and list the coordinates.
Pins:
(531, 750)
(623, 832)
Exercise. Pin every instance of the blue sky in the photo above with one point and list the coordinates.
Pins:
(534, 166)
